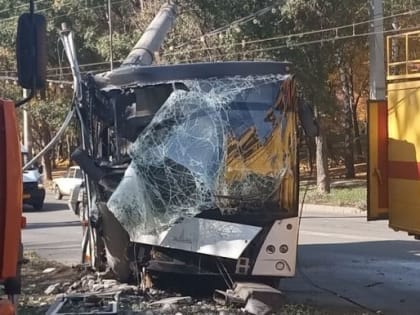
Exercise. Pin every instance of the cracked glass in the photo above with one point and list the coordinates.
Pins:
(222, 144)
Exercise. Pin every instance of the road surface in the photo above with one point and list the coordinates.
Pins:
(365, 262)
(54, 233)
(339, 253)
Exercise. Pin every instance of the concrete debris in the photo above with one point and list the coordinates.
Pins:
(95, 284)
(48, 270)
(257, 298)
(133, 300)
(174, 300)
(171, 304)
(52, 289)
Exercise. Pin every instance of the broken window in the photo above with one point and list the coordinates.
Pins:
(224, 145)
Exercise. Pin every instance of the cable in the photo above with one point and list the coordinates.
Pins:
(318, 41)
(85, 9)
(201, 59)
(85, 65)
(37, 11)
(237, 22)
(20, 6)
(62, 15)
(290, 36)
(309, 280)
(53, 140)
(68, 67)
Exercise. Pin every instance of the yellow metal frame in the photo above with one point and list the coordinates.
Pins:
(405, 61)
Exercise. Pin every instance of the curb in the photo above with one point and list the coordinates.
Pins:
(309, 208)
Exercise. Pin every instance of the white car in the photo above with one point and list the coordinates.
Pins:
(64, 185)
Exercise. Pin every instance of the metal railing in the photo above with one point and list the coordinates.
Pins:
(403, 56)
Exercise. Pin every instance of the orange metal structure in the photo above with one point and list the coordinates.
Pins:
(6, 308)
(10, 196)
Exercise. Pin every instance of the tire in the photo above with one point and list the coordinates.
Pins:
(38, 205)
(116, 241)
(57, 193)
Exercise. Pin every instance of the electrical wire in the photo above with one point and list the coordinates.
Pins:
(310, 281)
(12, 18)
(85, 9)
(237, 22)
(294, 45)
(53, 140)
(11, 78)
(301, 34)
(291, 45)
(290, 36)
(37, 11)
(20, 6)
(353, 25)
(85, 65)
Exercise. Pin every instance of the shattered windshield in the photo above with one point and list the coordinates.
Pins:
(219, 144)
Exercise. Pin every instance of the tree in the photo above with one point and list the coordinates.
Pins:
(322, 65)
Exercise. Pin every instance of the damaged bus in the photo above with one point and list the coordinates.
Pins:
(189, 168)
(193, 168)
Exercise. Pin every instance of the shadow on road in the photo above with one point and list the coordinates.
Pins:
(381, 275)
(48, 206)
(30, 226)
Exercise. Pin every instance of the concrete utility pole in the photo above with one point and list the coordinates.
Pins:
(377, 52)
(153, 36)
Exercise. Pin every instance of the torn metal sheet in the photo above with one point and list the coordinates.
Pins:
(224, 144)
(205, 236)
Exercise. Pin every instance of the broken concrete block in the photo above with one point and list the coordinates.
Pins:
(52, 289)
(257, 298)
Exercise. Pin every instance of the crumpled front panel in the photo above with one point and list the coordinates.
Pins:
(222, 144)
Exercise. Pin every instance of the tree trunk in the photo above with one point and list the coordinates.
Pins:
(322, 177)
(311, 152)
(347, 123)
(355, 124)
(46, 161)
(356, 130)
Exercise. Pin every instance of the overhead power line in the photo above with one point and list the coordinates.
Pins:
(62, 15)
(237, 22)
(20, 6)
(293, 45)
(336, 29)
(15, 79)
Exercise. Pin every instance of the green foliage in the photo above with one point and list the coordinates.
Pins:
(349, 194)
(315, 56)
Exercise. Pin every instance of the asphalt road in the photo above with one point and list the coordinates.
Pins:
(339, 254)
(365, 262)
(54, 233)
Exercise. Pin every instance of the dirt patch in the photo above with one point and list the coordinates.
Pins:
(35, 281)
(39, 274)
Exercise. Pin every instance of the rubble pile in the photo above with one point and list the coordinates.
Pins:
(131, 299)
